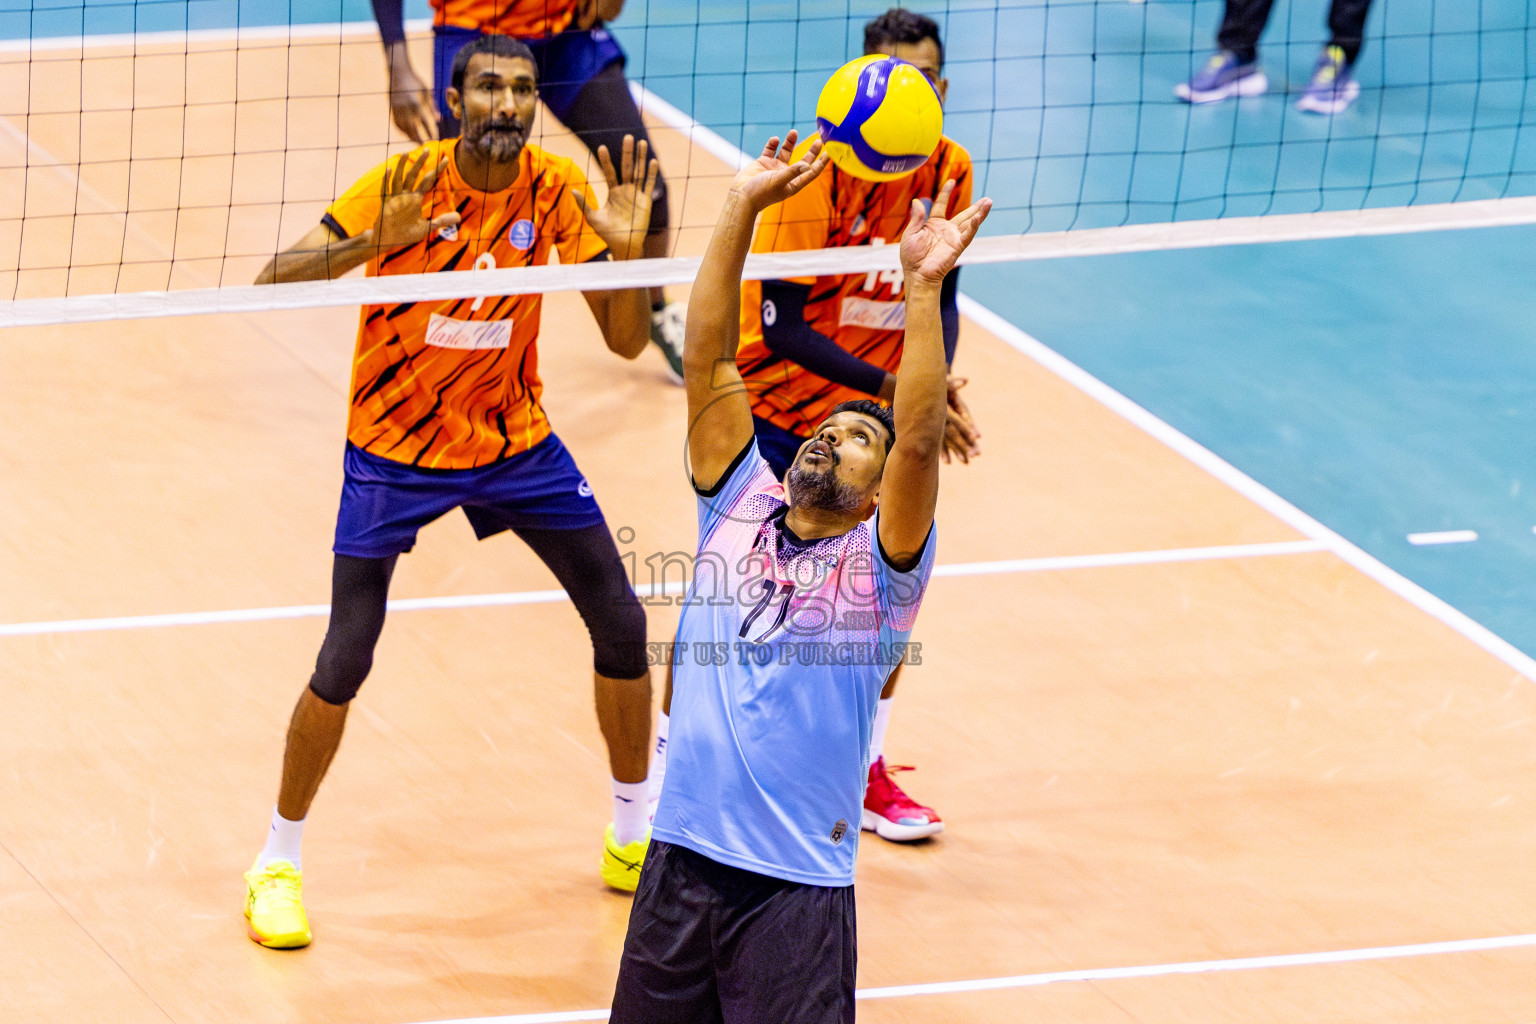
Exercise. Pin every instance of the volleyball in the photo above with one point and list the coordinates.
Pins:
(879, 118)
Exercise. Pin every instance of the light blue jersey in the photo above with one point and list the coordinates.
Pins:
(784, 646)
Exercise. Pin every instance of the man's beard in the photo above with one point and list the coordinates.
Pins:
(498, 142)
(823, 491)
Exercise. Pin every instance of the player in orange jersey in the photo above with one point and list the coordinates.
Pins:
(445, 414)
(810, 344)
(581, 81)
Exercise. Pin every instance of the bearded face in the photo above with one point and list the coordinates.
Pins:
(813, 481)
(498, 102)
(498, 138)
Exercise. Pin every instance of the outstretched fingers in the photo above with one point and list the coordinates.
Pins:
(970, 220)
(917, 216)
(605, 163)
(426, 183)
(811, 165)
(941, 203)
(788, 149)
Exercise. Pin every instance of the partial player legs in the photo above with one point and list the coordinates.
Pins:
(587, 564)
(274, 907)
(888, 811)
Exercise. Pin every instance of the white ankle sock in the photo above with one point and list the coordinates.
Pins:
(631, 810)
(882, 722)
(283, 842)
(658, 770)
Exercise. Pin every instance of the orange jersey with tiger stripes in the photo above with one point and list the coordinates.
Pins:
(526, 19)
(863, 313)
(454, 384)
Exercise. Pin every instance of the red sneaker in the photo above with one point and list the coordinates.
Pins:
(890, 813)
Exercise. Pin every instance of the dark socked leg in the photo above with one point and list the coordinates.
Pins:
(1241, 26)
(1346, 20)
(359, 590)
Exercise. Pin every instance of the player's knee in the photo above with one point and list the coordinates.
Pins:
(618, 638)
(339, 675)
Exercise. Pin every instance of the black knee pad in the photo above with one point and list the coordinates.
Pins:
(339, 675)
(617, 628)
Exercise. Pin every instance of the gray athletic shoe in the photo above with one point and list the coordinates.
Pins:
(667, 328)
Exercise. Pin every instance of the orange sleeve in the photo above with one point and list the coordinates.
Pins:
(575, 239)
(357, 208)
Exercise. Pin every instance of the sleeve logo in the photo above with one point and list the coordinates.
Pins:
(520, 234)
(770, 313)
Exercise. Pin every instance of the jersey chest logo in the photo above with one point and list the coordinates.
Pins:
(520, 234)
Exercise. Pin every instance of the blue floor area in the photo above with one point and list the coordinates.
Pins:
(1386, 386)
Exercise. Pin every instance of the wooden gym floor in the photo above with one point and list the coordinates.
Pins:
(1142, 765)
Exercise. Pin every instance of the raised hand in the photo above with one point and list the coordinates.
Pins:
(400, 220)
(624, 219)
(930, 245)
(410, 101)
(961, 438)
(771, 178)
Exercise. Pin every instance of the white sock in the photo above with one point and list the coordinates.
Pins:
(882, 722)
(283, 841)
(631, 810)
(658, 770)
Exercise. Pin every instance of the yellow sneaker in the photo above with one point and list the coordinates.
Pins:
(274, 906)
(622, 864)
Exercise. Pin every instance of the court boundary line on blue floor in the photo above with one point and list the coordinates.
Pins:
(1436, 607)
(1250, 963)
(1054, 563)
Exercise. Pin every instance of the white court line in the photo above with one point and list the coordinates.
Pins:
(1443, 537)
(1250, 963)
(301, 611)
(1251, 489)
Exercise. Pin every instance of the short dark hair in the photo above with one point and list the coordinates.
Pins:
(501, 46)
(875, 411)
(899, 25)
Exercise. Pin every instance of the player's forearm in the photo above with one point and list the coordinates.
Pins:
(626, 322)
(921, 383)
(791, 337)
(714, 308)
(323, 264)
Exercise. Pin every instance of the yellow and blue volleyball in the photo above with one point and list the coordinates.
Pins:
(879, 118)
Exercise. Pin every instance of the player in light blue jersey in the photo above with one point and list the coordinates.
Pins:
(803, 597)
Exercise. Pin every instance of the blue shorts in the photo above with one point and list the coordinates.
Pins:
(777, 445)
(384, 503)
(566, 61)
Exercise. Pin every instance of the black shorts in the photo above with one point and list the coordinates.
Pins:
(712, 944)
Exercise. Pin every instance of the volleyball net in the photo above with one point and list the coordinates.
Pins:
(155, 154)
